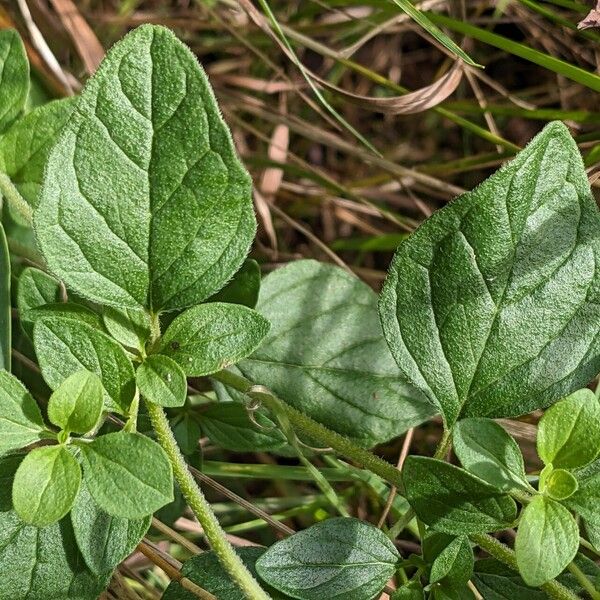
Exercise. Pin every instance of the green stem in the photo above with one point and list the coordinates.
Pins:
(201, 508)
(504, 554)
(385, 470)
(14, 198)
(584, 582)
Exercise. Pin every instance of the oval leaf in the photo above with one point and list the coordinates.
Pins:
(568, 434)
(492, 307)
(127, 474)
(46, 485)
(162, 381)
(14, 77)
(209, 337)
(144, 202)
(338, 558)
(325, 354)
(64, 346)
(451, 500)
(547, 541)
(76, 405)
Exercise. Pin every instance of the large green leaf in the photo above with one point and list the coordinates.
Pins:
(144, 202)
(209, 337)
(14, 77)
(325, 354)
(451, 500)
(338, 558)
(547, 540)
(43, 564)
(5, 307)
(103, 540)
(20, 418)
(127, 474)
(64, 346)
(25, 146)
(492, 307)
(46, 485)
(568, 434)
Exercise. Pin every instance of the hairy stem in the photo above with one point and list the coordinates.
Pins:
(584, 582)
(14, 198)
(504, 554)
(201, 508)
(385, 470)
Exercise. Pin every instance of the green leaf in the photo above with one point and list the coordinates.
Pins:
(586, 500)
(103, 540)
(337, 558)
(187, 432)
(451, 500)
(64, 310)
(39, 564)
(144, 202)
(209, 337)
(560, 484)
(65, 346)
(129, 327)
(325, 354)
(14, 77)
(243, 288)
(547, 540)
(162, 381)
(568, 434)
(46, 485)
(127, 474)
(5, 307)
(35, 289)
(21, 421)
(206, 571)
(228, 425)
(413, 590)
(25, 146)
(454, 563)
(485, 449)
(495, 581)
(491, 308)
(76, 405)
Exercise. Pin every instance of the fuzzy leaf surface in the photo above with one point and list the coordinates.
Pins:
(145, 203)
(492, 306)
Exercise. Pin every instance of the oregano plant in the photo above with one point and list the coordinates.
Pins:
(144, 326)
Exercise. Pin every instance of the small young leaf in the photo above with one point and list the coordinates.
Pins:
(145, 203)
(35, 288)
(325, 354)
(338, 558)
(243, 288)
(454, 563)
(103, 540)
(209, 337)
(44, 564)
(14, 77)
(206, 571)
(585, 501)
(25, 146)
(20, 417)
(129, 327)
(486, 450)
(46, 485)
(490, 306)
(127, 474)
(560, 484)
(162, 381)
(76, 405)
(451, 500)
(65, 346)
(228, 425)
(547, 540)
(569, 432)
